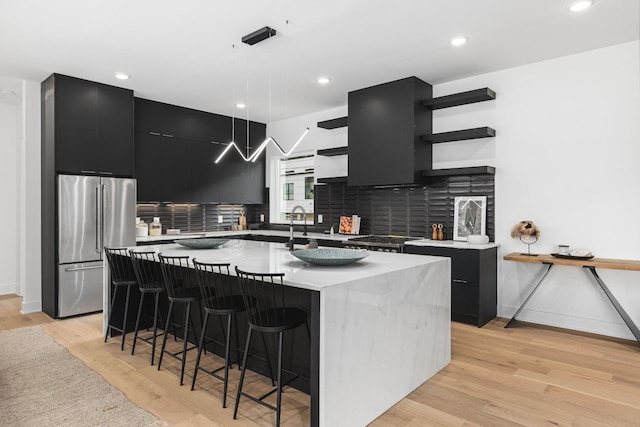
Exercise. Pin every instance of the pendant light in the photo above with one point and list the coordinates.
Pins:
(263, 146)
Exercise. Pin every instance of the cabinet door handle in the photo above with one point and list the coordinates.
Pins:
(167, 135)
(105, 173)
(459, 281)
(95, 267)
(154, 133)
(88, 171)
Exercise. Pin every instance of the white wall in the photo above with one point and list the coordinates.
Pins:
(9, 192)
(20, 190)
(566, 154)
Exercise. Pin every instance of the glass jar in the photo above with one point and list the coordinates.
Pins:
(155, 228)
(142, 229)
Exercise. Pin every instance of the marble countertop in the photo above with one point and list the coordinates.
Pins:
(215, 234)
(454, 244)
(272, 257)
(319, 236)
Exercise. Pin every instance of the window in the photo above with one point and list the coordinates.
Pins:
(292, 185)
(308, 187)
(287, 191)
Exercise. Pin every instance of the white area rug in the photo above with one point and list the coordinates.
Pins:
(42, 384)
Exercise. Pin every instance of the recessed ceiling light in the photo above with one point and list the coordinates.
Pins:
(324, 80)
(121, 76)
(578, 6)
(7, 92)
(458, 41)
(240, 105)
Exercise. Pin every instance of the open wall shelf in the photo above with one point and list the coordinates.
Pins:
(460, 135)
(332, 180)
(334, 123)
(329, 152)
(474, 170)
(462, 98)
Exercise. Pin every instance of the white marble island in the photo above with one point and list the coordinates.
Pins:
(381, 326)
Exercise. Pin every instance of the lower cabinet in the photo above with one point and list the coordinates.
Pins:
(474, 278)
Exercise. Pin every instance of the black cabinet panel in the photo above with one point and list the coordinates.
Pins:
(171, 168)
(75, 124)
(115, 130)
(204, 179)
(207, 127)
(93, 127)
(474, 289)
(148, 169)
(176, 176)
(385, 122)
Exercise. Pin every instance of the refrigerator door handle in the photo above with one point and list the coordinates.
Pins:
(101, 216)
(98, 220)
(95, 267)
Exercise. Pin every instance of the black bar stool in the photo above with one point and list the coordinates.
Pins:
(178, 277)
(267, 312)
(150, 282)
(221, 297)
(122, 276)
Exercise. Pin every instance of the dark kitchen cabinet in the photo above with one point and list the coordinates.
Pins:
(157, 118)
(474, 279)
(91, 130)
(174, 168)
(384, 128)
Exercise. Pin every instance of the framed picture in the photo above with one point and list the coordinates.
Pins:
(470, 216)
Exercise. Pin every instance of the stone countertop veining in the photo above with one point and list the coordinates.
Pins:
(256, 256)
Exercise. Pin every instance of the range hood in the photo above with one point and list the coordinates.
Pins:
(386, 123)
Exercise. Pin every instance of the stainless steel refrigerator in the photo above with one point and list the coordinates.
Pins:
(93, 212)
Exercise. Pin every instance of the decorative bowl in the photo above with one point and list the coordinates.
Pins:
(477, 238)
(201, 243)
(330, 256)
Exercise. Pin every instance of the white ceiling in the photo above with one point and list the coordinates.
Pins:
(181, 52)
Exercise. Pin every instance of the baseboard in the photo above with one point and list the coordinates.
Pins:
(31, 307)
(594, 326)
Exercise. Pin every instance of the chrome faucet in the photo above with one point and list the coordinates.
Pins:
(304, 233)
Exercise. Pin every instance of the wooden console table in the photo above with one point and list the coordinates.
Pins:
(590, 266)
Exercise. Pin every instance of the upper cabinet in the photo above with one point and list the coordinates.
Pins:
(175, 153)
(385, 125)
(88, 126)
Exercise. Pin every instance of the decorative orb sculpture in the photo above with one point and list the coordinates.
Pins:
(527, 232)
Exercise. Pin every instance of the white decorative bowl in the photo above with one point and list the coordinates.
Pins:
(330, 256)
(477, 238)
(201, 243)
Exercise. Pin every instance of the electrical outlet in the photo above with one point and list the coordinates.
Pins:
(319, 218)
(220, 219)
(261, 217)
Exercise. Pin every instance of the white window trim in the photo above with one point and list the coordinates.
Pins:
(275, 190)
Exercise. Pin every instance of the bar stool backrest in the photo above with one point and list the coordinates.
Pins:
(216, 286)
(147, 270)
(177, 274)
(120, 265)
(264, 297)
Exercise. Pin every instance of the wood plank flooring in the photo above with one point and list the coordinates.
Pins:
(527, 375)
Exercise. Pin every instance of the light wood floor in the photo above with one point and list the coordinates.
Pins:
(525, 375)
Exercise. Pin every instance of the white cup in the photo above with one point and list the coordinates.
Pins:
(563, 249)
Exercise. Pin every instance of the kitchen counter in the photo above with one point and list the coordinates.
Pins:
(380, 327)
(268, 233)
(454, 244)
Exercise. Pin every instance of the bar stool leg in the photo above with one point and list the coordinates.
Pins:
(201, 344)
(226, 359)
(113, 299)
(155, 328)
(185, 339)
(164, 337)
(135, 330)
(124, 320)
(266, 352)
(279, 395)
(244, 366)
